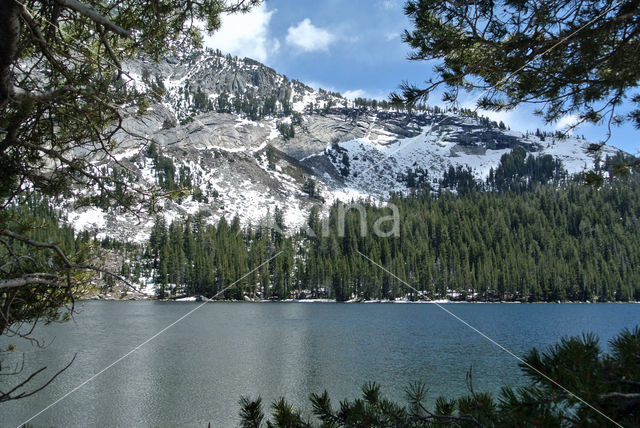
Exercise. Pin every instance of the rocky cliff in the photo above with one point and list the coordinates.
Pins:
(247, 140)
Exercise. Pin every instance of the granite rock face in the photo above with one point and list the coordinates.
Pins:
(249, 139)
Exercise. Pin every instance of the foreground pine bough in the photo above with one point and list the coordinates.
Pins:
(608, 382)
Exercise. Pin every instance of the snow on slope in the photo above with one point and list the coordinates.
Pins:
(378, 167)
(232, 156)
(250, 188)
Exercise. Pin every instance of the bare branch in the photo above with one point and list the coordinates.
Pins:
(91, 13)
(43, 96)
(32, 279)
(49, 279)
(38, 244)
(435, 417)
(100, 181)
(110, 52)
(624, 395)
(7, 395)
(14, 261)
(41, 42)
(625, 382)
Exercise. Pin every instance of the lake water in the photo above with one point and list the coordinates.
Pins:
(195, 372)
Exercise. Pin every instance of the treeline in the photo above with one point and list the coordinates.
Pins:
(171, 179)
(517, 172)
(191, 257)
(575, 242)
(250, 105)
(33, 218)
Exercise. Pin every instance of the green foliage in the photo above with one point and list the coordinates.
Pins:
(192, 257)
(167, 124)
(223, 103)
(346, 165)
(574, 243)
(250, 105)
(286, 130)
(576, 57)
(548, 243)
(459, 179)
(418, 178)
(200, 102)
(63, 98)
(165, 169)
(386, 105)
(517, 171)
(177, 183)
(35, 219)
(607, 382)
(251, 413)
(311, 189)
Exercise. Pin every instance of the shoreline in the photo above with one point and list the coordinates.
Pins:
(359, 301)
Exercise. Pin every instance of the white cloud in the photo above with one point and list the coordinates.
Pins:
(389, 4)
(308, 38)
(355, 93)
(391, 36)
(351, 94)
(246, 34)
(566, 122)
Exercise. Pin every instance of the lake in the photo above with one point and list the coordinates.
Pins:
(195, 372)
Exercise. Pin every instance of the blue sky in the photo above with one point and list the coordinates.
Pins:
(354, 47)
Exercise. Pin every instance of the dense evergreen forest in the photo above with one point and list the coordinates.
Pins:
(37, 218)
(528, 233)
(38, 223)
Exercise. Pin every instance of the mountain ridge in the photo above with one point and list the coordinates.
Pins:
(246, 140)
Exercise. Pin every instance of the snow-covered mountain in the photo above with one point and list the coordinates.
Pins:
(246, 140)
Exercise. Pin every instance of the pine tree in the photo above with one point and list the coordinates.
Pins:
(570, 77)
(606, 382)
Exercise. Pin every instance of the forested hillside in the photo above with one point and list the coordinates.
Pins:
(558, 241)
(230, 136)
(43, 237)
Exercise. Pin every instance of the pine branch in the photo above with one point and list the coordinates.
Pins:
(91, 13)
(624, 395)
(6, 396)
(41, 278)
(32, 279)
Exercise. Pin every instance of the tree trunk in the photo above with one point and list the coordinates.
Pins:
(9, 35)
